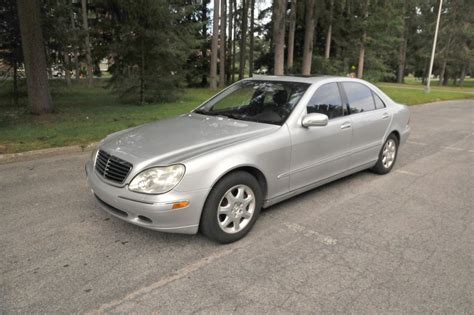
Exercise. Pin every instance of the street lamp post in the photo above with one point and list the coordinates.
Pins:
(427, 88)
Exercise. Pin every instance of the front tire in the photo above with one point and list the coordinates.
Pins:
(387, 156)
(231, 208)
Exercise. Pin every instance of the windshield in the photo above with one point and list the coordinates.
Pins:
(268, 102)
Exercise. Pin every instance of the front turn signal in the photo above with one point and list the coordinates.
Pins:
(181, 204)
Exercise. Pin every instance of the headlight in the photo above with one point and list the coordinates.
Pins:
(157, 180)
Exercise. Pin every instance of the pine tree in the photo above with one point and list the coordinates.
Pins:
(39, 96)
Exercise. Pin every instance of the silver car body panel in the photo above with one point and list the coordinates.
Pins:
(290, 158)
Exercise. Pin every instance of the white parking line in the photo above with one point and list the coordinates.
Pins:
(407, 172)
(453, 148)
(417, 143)
(297, 228)
(179, 274)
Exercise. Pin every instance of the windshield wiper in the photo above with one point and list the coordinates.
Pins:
(198, 111)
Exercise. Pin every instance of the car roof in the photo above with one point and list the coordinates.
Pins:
(296, 78)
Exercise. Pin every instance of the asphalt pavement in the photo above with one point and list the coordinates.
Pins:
(399, 243)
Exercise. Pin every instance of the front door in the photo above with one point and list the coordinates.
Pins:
(321, 152)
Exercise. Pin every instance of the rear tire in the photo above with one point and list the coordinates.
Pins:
(231, 208)
(387, 156)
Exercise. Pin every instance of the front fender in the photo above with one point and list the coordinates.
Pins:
(270, 154)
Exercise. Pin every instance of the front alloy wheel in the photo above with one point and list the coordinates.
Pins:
(232, 207)
(236, 209)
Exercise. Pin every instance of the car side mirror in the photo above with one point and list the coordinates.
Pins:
(314, 120)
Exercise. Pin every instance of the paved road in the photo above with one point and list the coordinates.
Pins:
(399, 243)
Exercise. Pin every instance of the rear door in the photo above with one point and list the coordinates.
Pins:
(321, 152)
(370, 119)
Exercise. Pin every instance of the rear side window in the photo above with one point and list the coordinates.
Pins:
(359, 97)
(378, 101)
(326, 100)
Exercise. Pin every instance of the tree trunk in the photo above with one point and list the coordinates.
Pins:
(214, 44)
(142, 72)
(308, 37)
(462, 76)
(279, 35)
(445, 77)
(442, 71)
(204, 20)
(327, 50)
(243, 38)
(39, 97)
(234, 2)
(75, 47)
(85, 25)
(252, 31)
(403, 45)
(15, 83)
(229, 43)
(222, 44)
(67, 73)
(360, 68)
(402, 60)
(291, 37)
(425, 72)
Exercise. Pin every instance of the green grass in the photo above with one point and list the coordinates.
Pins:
(468, 82)
(412, 95)
(83, 115)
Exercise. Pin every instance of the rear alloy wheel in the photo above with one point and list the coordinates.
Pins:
(387, 156)
(231, 208)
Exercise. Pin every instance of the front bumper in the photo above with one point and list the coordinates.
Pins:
(150, 211)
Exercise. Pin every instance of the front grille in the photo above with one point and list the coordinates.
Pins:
(111, 167)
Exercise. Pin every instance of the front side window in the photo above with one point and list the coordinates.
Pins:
(326, 100)
(359, 97)
(268, 102)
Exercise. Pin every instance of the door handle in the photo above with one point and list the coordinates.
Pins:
(385, 116)
(346, 125)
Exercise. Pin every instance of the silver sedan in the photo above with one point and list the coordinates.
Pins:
(256, 143)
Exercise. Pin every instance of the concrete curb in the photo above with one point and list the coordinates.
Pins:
(35, 154)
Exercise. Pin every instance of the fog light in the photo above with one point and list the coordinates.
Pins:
(181, 204)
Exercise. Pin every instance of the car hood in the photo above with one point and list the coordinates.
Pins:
(178, 139)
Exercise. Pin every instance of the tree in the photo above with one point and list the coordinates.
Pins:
(360, 68)
(10, 41)
(291, 37)
(148, 64)
(230, 47)
(85, 25)
(214, 45)
(327, 50)
(243, 38)
(234, 40)
(403, 43)
(75, 45)
(205, 43)
(310, 24)
(279, 35)
(222, 44)
(252, 39)
(39, 96)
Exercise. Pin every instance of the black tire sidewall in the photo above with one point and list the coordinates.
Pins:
(379, 168)
(209, 225)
